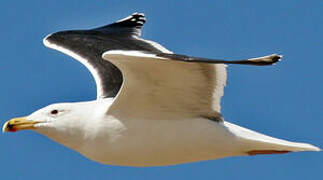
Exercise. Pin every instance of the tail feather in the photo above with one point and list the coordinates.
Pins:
(256, 143)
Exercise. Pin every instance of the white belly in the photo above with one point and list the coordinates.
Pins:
(161, 142)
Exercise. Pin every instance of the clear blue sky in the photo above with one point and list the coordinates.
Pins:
(283, 101)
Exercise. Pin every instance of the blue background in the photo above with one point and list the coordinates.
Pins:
(283, 101)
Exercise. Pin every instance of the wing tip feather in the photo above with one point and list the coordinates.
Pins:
(266, 60)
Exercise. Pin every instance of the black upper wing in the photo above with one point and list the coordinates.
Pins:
(87, 46)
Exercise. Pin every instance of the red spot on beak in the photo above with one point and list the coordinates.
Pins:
(12, 130)
(257, 152)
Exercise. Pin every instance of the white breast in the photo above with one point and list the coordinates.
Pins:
(140, 142)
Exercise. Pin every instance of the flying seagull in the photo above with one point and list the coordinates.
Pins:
(153, 107)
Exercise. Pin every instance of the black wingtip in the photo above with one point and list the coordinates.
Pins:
(265, 60)
(276, 58)
(129, 26)
(134, 20)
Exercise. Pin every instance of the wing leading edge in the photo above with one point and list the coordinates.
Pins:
(87, 46)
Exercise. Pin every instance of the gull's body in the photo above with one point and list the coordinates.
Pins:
(117, 139)
(153, 107)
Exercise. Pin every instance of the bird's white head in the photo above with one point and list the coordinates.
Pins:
(64, 122)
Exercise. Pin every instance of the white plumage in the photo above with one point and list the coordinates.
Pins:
(166, 112)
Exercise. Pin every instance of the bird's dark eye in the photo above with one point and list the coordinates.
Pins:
(54, 112)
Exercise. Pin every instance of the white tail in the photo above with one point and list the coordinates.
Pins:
(256, 143)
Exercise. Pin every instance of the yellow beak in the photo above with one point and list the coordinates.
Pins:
(17, 124)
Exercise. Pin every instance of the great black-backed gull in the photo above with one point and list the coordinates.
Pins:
(153, 107)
